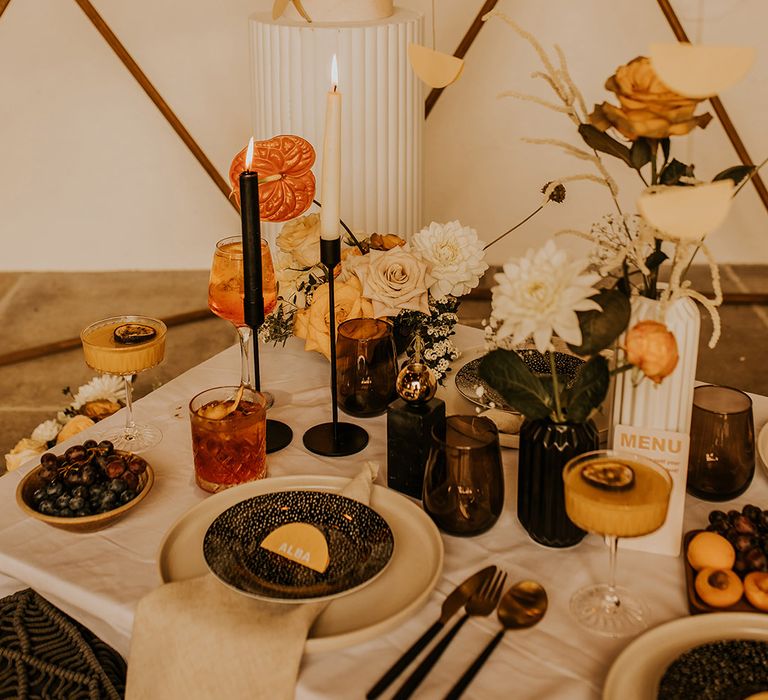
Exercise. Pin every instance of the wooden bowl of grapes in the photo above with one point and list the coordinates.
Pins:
(89, 487)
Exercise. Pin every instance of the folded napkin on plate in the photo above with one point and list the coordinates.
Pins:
(199, 639)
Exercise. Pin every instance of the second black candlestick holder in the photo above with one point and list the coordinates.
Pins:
(334, 439)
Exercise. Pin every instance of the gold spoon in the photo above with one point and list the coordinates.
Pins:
(522, 606)
(220, 410)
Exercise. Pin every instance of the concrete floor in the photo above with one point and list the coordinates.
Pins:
(38, 308)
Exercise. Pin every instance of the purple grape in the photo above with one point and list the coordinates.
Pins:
(756, 560)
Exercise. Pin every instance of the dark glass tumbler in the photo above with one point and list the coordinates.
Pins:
(366, 366)
(464, 479)
(721, 462)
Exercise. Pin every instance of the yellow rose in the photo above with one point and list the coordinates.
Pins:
(313, 324)
(652, 348)
(301, 239)
(647, 106)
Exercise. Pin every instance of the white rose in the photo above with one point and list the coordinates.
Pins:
(394, 280)
(455, 255)
(46, 431)
(301, 238)
(23, 451)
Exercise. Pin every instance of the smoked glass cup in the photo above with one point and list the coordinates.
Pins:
(464, 479)
(721, 461)
(366, 366)
(230, 449)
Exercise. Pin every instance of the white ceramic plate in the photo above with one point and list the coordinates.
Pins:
(762, 447)
(403, 587)
(638, 669)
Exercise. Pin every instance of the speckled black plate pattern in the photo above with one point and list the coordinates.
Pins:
(468, 379)
(360, 545)
(728, 670)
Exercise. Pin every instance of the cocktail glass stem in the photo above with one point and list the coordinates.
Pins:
(130, 424)
(612, 601)
(245, 333)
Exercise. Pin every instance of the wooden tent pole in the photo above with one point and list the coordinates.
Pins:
(154, 95)
(717, 105)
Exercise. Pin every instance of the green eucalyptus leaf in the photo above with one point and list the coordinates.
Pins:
(673, 171)
(588, 389)
(506, 372)
(736, 173)
(640, 154)
(600, 141)
(599, 329)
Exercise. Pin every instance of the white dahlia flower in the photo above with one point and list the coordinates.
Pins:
(106, 386)
(539, 295)
(455, 255)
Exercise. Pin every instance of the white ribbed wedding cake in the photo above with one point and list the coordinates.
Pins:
(383, 101)
(342, 11)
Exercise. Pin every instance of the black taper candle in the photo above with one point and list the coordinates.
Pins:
(253, 303)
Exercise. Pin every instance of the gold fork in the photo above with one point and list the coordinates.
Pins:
(481, 604)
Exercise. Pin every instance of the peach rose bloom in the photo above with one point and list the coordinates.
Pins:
(647, 106)
(652, 348)
(395, 280)
(313, 323)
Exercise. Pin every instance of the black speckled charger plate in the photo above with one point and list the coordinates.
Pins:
(360, 545)
(468, 379)
(727, 670)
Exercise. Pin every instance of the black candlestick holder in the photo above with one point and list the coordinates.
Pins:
(279, 434)
(334, 439)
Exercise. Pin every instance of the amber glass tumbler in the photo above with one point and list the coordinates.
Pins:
(366, 366)
(721, 462)
(464, 479)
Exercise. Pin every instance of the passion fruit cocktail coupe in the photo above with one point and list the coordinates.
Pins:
(614, 494)
(620, 497)
(124, 346)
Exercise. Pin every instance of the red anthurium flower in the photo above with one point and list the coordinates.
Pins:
(286, 183)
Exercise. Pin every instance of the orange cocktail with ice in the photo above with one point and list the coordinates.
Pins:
(228, 437)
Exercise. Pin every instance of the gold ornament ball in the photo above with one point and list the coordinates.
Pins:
(416, 383)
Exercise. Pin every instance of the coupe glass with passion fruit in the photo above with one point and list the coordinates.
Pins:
(615, 495)
(124, 346)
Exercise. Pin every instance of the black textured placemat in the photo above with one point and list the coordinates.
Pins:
(727, 670)
(46, 654)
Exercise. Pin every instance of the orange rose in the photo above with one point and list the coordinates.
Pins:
(385, 242)
(648, 107)
(652, 348)
(313, 323)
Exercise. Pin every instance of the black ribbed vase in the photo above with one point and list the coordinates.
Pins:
(545, 447)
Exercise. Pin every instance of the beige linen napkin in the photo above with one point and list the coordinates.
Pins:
(199, 639)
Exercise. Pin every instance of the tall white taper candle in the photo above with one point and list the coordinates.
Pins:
(330, 183)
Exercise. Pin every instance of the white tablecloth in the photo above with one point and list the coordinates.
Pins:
(98, 578)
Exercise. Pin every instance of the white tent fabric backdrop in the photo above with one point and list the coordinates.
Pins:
(95, 178)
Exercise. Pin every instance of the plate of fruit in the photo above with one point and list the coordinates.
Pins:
(727, 564)
(87, 488)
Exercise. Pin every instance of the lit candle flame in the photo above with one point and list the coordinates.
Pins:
(249, 155)
(334, 72)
